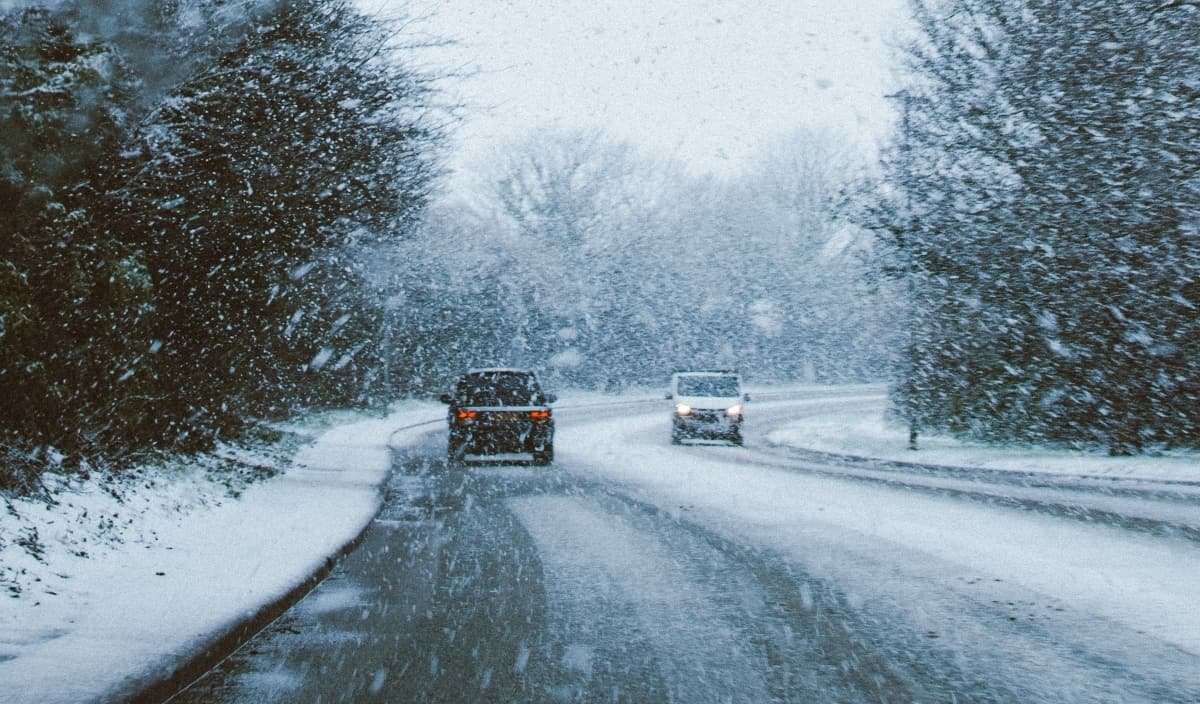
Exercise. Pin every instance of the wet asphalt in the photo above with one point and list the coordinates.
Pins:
(445, 600)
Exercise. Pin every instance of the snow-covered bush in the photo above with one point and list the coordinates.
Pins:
(187, 189)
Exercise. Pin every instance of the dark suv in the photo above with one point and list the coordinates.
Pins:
(496, 411)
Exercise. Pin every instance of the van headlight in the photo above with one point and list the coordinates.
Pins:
(682, 409)
(734, 411)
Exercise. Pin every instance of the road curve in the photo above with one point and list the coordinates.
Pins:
(522, 584)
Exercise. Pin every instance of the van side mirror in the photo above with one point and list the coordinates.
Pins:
(668, 396)
(445, 398)
(746, 398)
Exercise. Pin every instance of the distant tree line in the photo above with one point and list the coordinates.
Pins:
(1043, 206)
(186, 193)
(606, 269)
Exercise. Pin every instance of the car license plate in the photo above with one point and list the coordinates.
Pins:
(507, 416)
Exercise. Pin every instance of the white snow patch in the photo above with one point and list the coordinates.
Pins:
(567, 359)
(188, 562)
(862, 429)
(602, 562)
(320, 358)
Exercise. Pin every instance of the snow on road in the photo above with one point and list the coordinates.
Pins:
(599, 568)
(931, 559)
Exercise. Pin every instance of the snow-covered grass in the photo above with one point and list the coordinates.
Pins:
(862, 428)
(113, 584)
(86, 516)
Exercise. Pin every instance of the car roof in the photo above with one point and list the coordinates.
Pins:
(492, 370)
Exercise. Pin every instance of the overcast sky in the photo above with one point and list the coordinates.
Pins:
(705, 81)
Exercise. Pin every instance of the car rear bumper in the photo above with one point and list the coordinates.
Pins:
(490, 442)
(494, 432)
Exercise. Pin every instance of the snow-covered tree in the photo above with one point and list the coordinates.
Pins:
(1045, 212)
(559, 234)
(71, 297)
(578, 256)
(259, 181)
(189, 191)
(799, 267)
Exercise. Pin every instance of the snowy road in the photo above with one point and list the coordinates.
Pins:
(640, 572)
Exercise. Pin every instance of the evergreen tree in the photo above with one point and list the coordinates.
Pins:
(301, 145)
(71, 296)
(1045, 214)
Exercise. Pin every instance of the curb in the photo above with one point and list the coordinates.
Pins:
(152, 690)
(156, 689)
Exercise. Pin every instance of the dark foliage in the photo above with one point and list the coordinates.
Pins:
(1047, 217)
(71, 297)
(298, 145)
(180, 249)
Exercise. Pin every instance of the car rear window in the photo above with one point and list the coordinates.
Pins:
(707, 386)
(499, 389)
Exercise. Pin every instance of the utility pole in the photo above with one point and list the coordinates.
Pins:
(910, 401)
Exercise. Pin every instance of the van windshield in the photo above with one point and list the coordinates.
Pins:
(707, 386)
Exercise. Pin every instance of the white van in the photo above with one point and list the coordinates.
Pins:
(707, 405)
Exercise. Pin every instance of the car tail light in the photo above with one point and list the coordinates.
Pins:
(539, 415)
(466, 414)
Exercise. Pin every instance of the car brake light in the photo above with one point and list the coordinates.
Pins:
(539, 415)
(467, 414)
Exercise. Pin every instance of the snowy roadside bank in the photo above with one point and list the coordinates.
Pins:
(125, 587)
(861, 429)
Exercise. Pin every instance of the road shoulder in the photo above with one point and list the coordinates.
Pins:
(140, 614)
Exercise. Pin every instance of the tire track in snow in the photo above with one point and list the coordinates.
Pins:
(605, 579)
